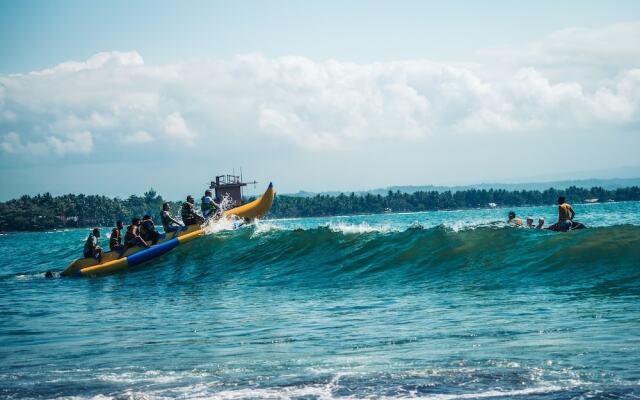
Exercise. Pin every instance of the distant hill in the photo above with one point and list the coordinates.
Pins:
(609, 184)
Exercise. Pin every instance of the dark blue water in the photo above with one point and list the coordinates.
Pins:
(438, 305)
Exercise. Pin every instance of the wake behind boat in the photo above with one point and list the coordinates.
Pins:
(112, 262)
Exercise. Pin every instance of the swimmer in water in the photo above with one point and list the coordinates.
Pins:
(513, 219)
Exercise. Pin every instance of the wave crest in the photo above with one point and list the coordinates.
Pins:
(491, 254)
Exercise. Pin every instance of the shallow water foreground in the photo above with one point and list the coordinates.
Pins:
(438, 305)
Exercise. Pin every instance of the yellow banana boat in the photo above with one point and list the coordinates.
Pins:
(111, 263)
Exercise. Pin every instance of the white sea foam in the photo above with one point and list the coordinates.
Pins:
(223, 224)
(497, 393)
(263, 227)
(361, 228)
(28, 277)
(462, 225)
(194, 385)
(203, 391)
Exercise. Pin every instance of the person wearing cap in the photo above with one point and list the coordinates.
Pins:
(540, 223)
(208, 206)
(188, 213)
(91, 248)
(513, 219)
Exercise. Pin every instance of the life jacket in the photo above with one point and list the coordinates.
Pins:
(187, 210)
(164, 217)
(130, 235)
(516, 221)
(146, 227)
(204, 206)
(116, 238)
(207, 206)
(89, 244)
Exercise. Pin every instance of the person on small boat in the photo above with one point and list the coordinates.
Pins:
(513, 219)
(148, 230)
(565, 217)
(91, 248)
(169, 224)
(208, 206)
(132, 238)
(565, 214)
(540, 223)
(115, 241)
(530, 222)
(188, 213)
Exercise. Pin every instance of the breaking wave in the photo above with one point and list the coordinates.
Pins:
(488, 253)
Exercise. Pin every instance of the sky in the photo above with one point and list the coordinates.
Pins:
(116, 97)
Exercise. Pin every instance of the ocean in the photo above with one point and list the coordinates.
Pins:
(435, 305)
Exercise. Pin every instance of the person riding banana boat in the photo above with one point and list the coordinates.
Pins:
(169, 224)
(91, 248)
(208, 206)
(132, 237)
(115, 241)
(188, 213)
(148, 230)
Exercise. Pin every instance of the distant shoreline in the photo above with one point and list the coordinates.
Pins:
(44, 213)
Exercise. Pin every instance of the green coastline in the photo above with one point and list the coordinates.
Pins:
(47, 212)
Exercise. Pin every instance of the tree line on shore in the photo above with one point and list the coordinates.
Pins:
(42, 212)
(345, 204)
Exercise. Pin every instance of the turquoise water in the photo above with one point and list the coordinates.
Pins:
(440, 305)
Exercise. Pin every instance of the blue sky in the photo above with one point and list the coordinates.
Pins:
(115, 97)
(38, 34)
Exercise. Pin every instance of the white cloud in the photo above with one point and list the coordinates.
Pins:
(12, 144)
(78, 143)
(176, 127)
(576, 53)
(138, 137)
(97, 61)
(571, 80)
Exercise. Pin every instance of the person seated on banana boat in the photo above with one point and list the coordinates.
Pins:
(169, 224)
(115, 241)
(530, 222)
(148, 230)
(513, 219)
(565, 217)
(188, 212)
(132, 238)
(540, 223)
(91, 248)
(208, 206)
